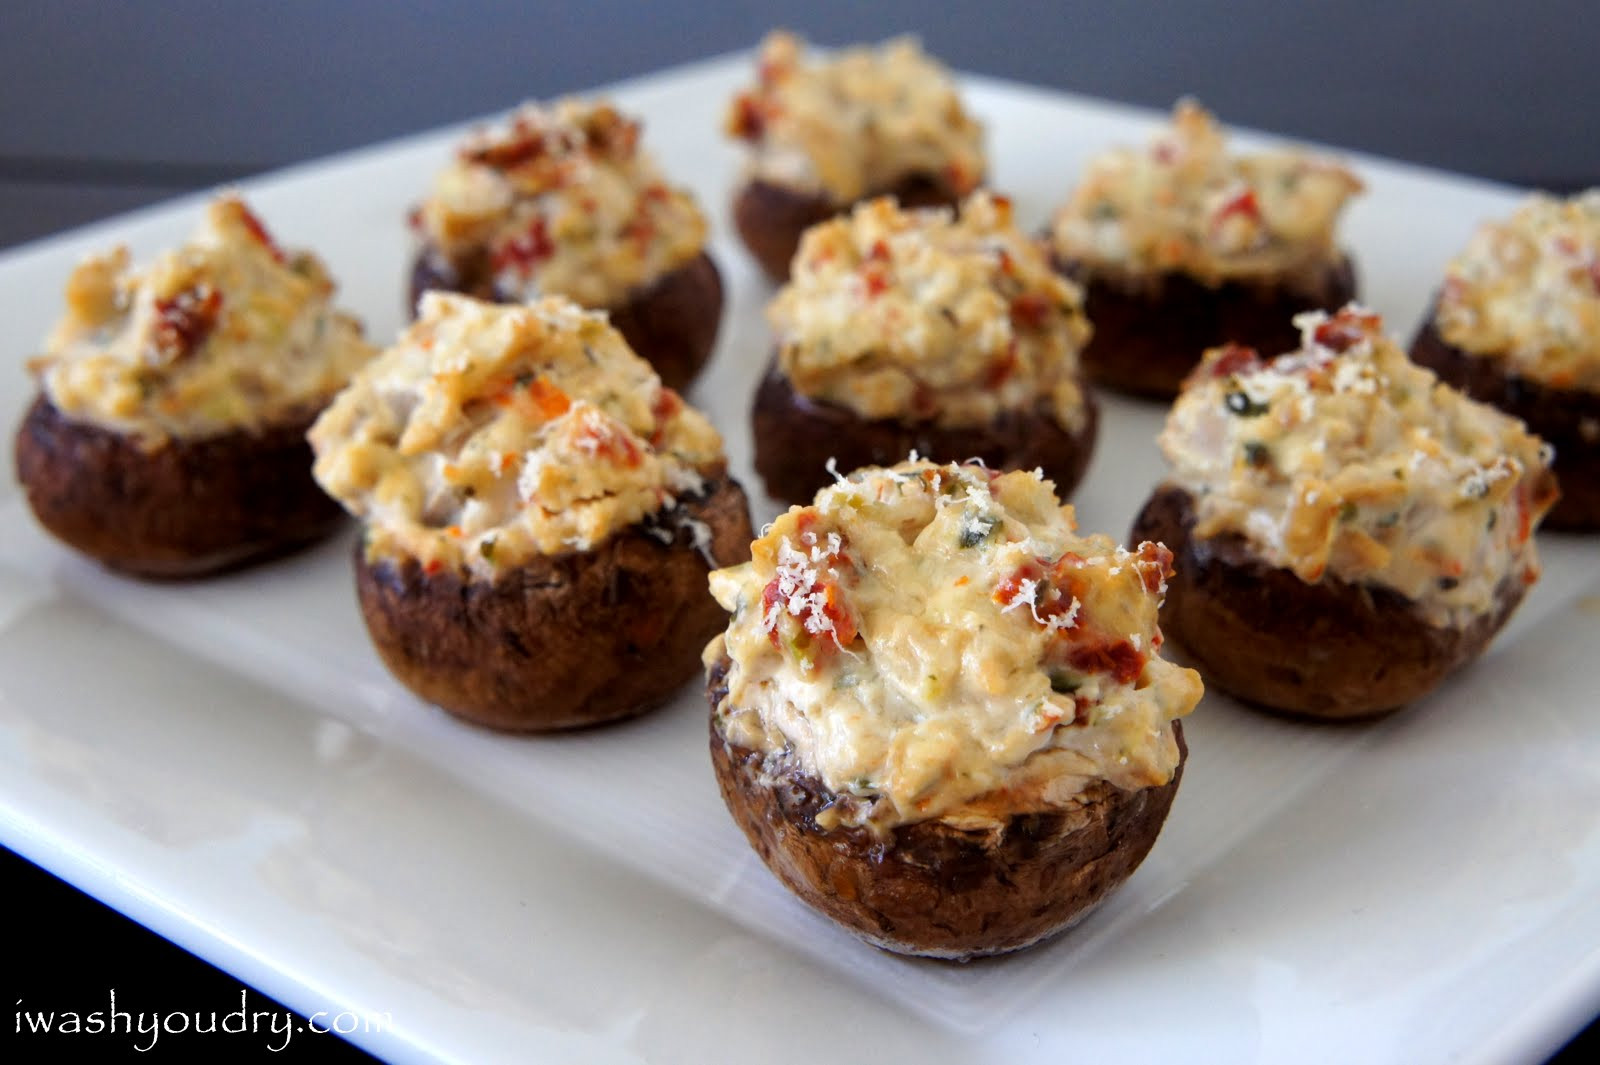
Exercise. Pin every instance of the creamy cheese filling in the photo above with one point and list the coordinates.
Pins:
(1183, 204)
(939, 642)
(931, 315)
(491, 433)
(1527, 290)
(856, 123)
(561, 201)
(227, 332)
(1345, 458)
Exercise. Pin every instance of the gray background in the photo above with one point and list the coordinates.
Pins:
(107, 105)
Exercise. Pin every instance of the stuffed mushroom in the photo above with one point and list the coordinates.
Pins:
(940, 714)
(541, 513)
(563, 200)
(829, 133)
(168, 436)
(1348, 529)
(1517, 324)
(1181, 246)
(944, 333)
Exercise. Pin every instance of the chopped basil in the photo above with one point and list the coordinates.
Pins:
(1347, 512)
(1103, 211)
(976, 528)
(486, 549)
(1063, 683)
(525, 378)
(1241, 404)
(1390, 520)
(1256, 453)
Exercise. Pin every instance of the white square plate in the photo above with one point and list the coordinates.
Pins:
(229, 763)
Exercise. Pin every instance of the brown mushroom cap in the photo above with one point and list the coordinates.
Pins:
(1149, 335)
(180, 508)
(1326, 650)
(562, 641)
(796, 436)
(930, 888)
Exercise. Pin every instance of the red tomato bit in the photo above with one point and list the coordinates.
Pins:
(1346, 329)
(1243, 204)
(185, 321)
(1234, 359)
(1030, 310)
(259, 231)
(1119, 659)
(525, 251)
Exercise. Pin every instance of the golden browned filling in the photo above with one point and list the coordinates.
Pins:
(1183, 204)
(1527, 290)
(562, 200)
(227, 332)
(490, 433)
(931, 314)
(939, 642)
(1345, 458)
(856, 122)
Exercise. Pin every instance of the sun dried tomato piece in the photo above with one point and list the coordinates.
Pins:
(748, 121)
(259, 231)
(1120, 660)
(1234, 359)
(1243, 204)
(1030, 310)
(1153, 562)
(1345, 330)
(798, 618)
(1001, 369)
(185, 321)
(524, 252)
(606, 443)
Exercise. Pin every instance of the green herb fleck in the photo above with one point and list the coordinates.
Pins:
(1256, 453)
(486, 549)
(1347, 512)
(1241, 404)
(1065, 683)
(976, 528)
